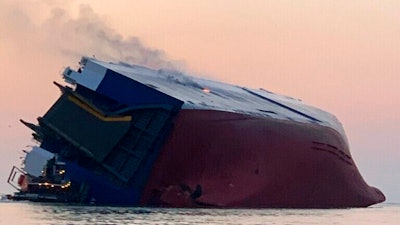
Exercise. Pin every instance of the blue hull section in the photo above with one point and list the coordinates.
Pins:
(95, 188)
(133, 93)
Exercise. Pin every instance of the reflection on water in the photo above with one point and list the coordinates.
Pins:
(39, 213)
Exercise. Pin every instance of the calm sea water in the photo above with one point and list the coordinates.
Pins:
(38, 213)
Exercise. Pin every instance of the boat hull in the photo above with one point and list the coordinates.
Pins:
(222, 159)
(128, 135)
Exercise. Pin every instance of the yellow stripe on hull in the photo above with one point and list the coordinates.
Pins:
(95, 112)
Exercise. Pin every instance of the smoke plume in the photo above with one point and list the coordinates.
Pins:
(89, 34)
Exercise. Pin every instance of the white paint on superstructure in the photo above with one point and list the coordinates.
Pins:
(91, 77)
(36, 160)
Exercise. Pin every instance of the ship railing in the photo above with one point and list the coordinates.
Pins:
(16, 177)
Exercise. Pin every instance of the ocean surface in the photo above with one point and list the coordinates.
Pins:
(40, 213)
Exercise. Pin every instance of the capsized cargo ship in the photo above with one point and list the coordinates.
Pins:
(123, 134)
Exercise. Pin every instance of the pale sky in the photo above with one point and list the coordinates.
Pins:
(341, 56)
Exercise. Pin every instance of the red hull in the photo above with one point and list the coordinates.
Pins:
(244, 161)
